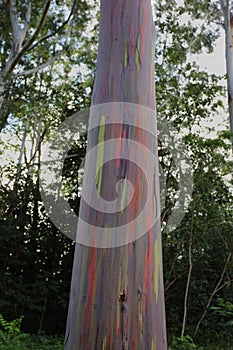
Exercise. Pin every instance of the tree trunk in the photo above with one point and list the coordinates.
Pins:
(228, 24)
(117, 298)
(2, 91)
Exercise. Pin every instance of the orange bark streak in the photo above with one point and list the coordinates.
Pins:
(132, 41)
(144, 286)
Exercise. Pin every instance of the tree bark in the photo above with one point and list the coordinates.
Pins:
(117, 297)
(228, 26)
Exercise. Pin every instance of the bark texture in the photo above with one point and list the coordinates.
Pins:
(117, 297)
(228, 24)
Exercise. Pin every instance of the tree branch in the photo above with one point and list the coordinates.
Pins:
(188, 278)
(14, 18)
(38, 68)
(11, 65)
(224, 10)
(45, 37)
(168, 286)
(18, 33)
(216, 289)
(28, 16)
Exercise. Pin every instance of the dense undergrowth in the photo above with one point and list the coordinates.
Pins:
(12, 338)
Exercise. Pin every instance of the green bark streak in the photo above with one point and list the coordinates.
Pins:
(126, 53)
(138, 42)
(137, 60)
(104, 344)
(137, 56)
(100, 154)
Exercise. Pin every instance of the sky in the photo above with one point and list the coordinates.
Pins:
(215, 62)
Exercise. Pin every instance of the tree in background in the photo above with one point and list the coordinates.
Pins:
(227, 10)
(34, 36)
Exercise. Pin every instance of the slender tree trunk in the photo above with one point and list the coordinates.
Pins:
(188, 278)
(228, 24)
(22, 149)
(2, 91)
(117, 297)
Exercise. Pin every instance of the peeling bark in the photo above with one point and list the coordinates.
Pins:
(117, 298)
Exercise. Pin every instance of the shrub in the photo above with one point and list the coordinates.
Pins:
(11, 338)
(184, 343)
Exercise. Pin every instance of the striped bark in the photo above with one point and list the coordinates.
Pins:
(117, 297)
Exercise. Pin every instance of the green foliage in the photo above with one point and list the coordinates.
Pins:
(9, 331)
(212, 343)
(225, 312)
(61, 36)
(36, 259)
(189, 98)
(11, 338)
(36, 262)
(184, 343)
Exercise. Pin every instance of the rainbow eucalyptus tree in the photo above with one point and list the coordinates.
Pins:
(117, 298)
